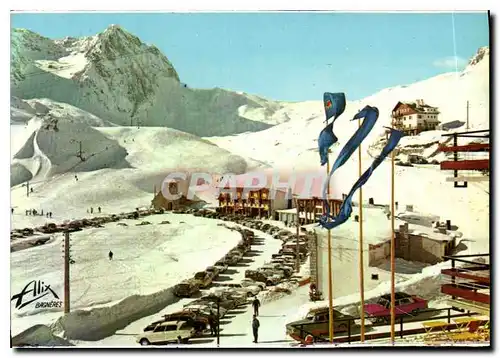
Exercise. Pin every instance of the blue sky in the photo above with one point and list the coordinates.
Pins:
(290, 56)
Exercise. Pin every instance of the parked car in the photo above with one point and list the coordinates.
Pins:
(270, 278)
(204, 308)
(249, 290)
(198, 322)
(317, 324)
(293, 246)
(380, 310)
(165, 332)
(233, 257)
(221, 266)
(186, 288)
(249, 282)
(287, 271)
(213, 271)
(203, 279)
(211, 301)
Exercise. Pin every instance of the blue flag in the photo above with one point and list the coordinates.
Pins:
(370, 115)
(346, 207)
(334, 104)
(334, 107)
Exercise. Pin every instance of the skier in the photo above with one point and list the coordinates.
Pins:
(110, 255)
(31, 190)
(211, 322)
(256, 305)
(50, 214)
(255, 328)
(91, 210)
(99, 209)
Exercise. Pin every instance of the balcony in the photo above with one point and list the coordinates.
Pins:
(469, 284)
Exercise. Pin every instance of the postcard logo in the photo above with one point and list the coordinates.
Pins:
(35, 291)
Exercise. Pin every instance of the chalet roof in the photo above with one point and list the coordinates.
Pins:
(418, 108)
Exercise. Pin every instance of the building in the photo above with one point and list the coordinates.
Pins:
(160, 202)
(415, 243)
(242, 196)
(278, 198)
(414, 117)
(309, 211)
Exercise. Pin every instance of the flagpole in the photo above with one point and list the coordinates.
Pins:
(330, 278)
(393, 255)
(361, 262)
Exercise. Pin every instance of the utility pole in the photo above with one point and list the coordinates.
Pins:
(218, 321)
(79, 153)
(66, 272)
(297, 261)
(467, 115)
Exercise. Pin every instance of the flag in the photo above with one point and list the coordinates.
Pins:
(370, 115)
(334, 107)
(346, 207)
(334, 104)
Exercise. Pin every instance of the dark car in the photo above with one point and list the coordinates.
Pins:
(186, 288)
(317, 323)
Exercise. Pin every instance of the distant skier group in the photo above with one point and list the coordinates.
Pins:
(35, 212)
(92, 210)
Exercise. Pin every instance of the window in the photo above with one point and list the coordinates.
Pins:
(171, 328)
(419, 116)
(160, 329)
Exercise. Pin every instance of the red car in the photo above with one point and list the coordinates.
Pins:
(405, 305)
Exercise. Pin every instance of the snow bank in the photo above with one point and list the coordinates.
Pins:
(98, 323)
(39, 335)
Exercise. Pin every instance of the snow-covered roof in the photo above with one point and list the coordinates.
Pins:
(377, 227)
(429, 232)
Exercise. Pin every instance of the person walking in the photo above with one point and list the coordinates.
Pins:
(110, 255)
(99, 209)
(91, 210)
(256, 305)
(255, 328)
(211, 322)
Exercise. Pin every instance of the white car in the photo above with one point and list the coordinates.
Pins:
(249, 290)
(249, 282)
(164, 332)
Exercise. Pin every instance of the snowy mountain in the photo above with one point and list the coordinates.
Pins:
(116, 77)
(294, 143)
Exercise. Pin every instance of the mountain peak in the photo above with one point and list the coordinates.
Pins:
(482, 52)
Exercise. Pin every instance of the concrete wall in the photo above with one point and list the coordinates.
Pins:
(313, 258)
(379, 253)
(280, 201)
(419, 248)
